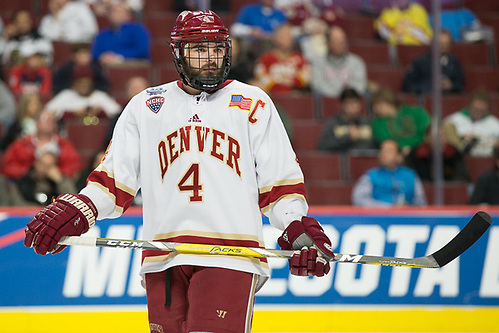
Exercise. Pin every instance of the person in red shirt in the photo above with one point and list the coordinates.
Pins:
(282, 69)
(21, 154)
(32, 76)
(301, 13)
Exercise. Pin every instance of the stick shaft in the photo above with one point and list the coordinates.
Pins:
(188, 248)
(475, 228)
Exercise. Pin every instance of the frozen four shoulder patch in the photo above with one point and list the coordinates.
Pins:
(155, 91)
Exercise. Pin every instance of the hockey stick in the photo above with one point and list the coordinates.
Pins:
(475, 228)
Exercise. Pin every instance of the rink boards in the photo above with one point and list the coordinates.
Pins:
(99, 289)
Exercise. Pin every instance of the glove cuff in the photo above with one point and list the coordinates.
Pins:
(290, 234)
(307, 232)
(84, 205)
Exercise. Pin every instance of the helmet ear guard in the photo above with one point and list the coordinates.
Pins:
(198, 28)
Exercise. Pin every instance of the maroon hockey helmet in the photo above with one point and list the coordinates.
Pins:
(195, 30)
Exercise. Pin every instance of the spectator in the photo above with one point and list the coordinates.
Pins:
(389, 184)
(80, 57)
(486, 189)
(4, 189)
(312, 19)
(421, 160)
(241, 68)
(21, 154)
(464, 26)
(302, 14)
(69, 21)
(7, 109)
(476, 130)
(82, 100)
(348, 129)
(282, 69)
(418, 78)
(100, 7)
(19, 32)
(192, 5)
(124, 40)
(286, 121)
(2, 47)
(135, 85)
(33, 75)
(258, 20)
(406, 22)
(337, 70)
(30, 108)
(43, 182)
(402, 123)
(92, 165)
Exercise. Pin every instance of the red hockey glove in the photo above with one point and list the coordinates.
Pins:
(314, 247)
(68, 215)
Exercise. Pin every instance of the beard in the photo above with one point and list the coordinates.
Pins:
(208, 70)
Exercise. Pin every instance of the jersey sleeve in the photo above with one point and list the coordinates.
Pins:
(113, 184)
(282, 195)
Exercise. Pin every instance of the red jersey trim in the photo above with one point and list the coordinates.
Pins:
(201, 240)
(121, 198)
(268, 198)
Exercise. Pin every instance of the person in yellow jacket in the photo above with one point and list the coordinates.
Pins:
(404, 23)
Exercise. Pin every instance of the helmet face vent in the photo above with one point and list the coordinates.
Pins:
(195, 31)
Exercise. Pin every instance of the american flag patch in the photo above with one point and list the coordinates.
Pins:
(155, 103)
(241, 102)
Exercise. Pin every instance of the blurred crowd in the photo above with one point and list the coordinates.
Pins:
(282, 46)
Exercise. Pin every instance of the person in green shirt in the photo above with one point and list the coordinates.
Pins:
(405, 124)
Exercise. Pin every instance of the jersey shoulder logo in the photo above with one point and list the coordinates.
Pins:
(155, 103)
(241, 102)
(155, 91)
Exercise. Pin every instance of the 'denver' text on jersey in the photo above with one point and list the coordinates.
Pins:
(217, 144)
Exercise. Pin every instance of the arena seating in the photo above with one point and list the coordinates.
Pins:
(297, 106)
(453, 193)
(317, 165)
(478, 165)
(306, 134)
(386, 76)
(329, 176)
(450, 104)
(329, 192)
(357, 165)
(87, 139)
(373, 52)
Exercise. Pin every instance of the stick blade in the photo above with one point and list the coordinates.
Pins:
(475, 228)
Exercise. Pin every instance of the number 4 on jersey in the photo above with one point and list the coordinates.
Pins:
(190, 183)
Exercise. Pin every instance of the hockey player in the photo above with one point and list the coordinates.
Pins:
(210, 156)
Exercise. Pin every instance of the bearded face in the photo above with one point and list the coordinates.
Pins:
(204, 59)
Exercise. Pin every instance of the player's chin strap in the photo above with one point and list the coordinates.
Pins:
(205, 83)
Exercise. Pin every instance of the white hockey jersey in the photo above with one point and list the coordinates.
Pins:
(208, 166)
